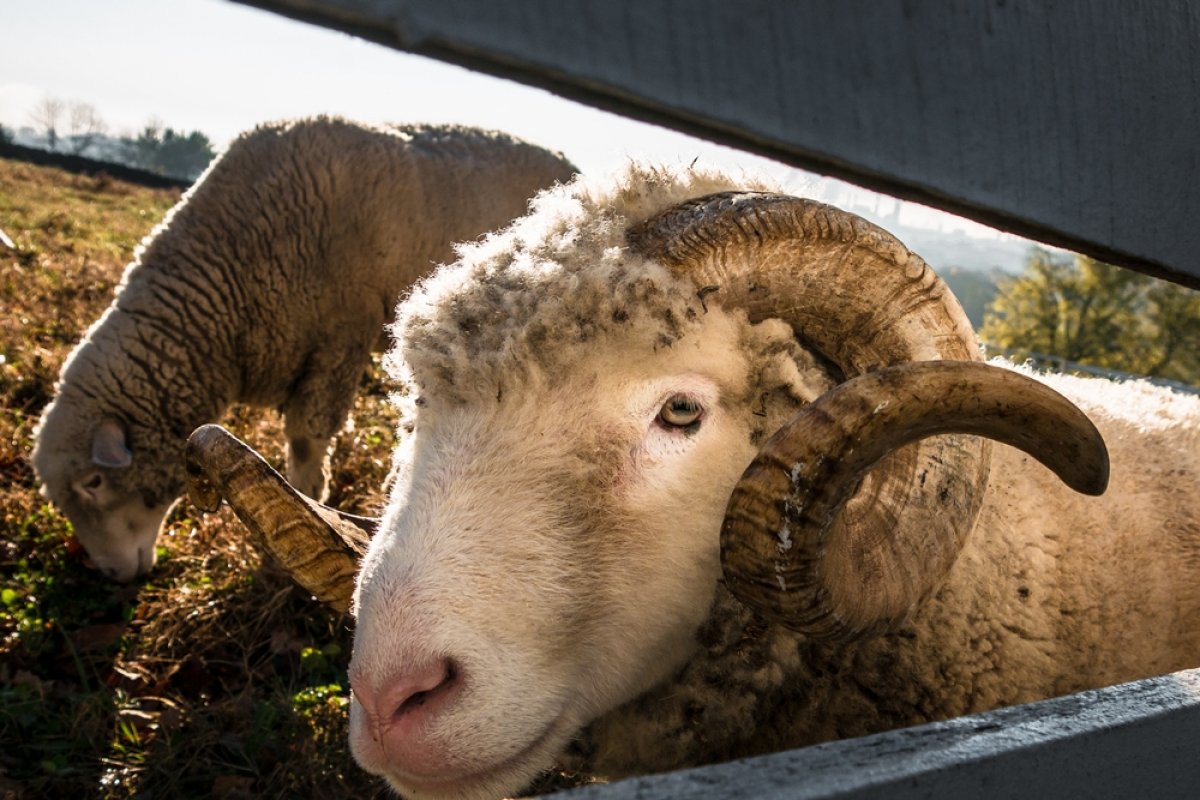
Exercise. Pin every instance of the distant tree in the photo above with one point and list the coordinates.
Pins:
(1086, 311)
(84, 127)
(142, 150)
(47, 117)
(185, 155)
(1176, 345)
(6, 135)
(168, 152)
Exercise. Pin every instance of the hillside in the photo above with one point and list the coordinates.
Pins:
(946, 249)
(974, 289)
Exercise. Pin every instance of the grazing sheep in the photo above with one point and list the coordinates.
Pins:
(269, 284)
(577, 566)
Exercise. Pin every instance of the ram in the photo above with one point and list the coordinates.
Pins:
(269, 284)
(695, 470)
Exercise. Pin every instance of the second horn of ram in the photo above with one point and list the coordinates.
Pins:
(573, 570)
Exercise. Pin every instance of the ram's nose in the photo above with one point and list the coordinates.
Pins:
(402, 709)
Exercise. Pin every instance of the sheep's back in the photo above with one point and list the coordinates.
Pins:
(304, 236)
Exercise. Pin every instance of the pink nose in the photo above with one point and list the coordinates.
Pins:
(400, 708)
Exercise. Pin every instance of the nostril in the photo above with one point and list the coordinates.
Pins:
(413, 692)
(401, 721)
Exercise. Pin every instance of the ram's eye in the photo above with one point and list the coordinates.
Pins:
(680, 411)
(93, 482)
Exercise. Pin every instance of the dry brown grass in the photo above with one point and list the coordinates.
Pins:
(215, 677)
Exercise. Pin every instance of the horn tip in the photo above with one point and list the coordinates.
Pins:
(206, 433)
(1094, 481)
(1091, 469)
(201, 490)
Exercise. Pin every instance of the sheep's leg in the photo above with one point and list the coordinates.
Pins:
(315, 413)
(308, 464)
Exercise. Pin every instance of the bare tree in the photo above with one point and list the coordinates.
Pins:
(85, 126)
(46, 116)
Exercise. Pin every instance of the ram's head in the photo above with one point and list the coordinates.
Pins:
(619, 407)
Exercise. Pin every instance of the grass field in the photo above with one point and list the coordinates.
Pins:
(215, 677)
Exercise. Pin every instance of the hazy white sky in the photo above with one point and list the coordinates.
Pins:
(220, 67)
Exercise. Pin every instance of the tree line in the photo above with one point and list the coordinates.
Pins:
(76, 128)
(1085, 311)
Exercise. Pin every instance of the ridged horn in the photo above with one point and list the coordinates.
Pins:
(318, 546)
(783, 556)
(855, 294)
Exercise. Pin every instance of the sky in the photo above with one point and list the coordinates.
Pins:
(220, 68)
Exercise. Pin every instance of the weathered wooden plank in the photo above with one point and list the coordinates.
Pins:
(1071, 122)
(1139, 739)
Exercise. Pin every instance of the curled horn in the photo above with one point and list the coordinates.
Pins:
(781, 553)
(318, 546)
(868, 547)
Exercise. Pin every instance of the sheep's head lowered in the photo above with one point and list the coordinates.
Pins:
(617, 405)
(86, 465)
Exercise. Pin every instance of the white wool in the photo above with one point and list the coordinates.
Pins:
(1139, 402)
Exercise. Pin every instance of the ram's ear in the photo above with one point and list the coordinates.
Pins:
(108, 445)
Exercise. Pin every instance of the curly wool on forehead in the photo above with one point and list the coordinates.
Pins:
(554, 280)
